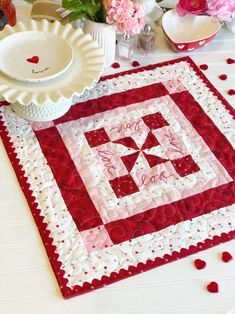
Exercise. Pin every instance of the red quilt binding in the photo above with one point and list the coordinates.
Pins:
(45, 233)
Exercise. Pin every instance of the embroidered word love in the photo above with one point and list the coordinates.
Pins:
(174, 145)
(144, 180)
(106, 157)
(135, 126)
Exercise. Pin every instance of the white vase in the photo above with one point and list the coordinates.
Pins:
(105, 35)
(170, 4)
(231, 25)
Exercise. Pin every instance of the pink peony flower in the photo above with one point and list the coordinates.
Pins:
(191, 6)
(127, 15)
(221, 9)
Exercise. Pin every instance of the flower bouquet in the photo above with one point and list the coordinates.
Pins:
(126, 15)
(103, 18)
(222, 10)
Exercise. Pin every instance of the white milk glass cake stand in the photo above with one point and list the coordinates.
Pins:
(44, 65)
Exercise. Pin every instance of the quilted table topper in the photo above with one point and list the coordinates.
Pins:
(139, 172)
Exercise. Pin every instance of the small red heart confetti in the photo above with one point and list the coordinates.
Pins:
(223, 77)
(230, 61)
(115, 65)
(213, 287)
(231, 92)
(226, 257)
(199, 264)
(135, 64)
(203, 66)
(34, 59)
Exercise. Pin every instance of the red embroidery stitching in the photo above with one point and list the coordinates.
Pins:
(154, 179)
(106, 156)
(173, 141)
(135, 125)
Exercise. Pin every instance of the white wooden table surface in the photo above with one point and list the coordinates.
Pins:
(27, 283)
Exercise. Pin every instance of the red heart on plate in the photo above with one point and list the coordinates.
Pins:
(213, 287)
(34, 59)
(199, 264)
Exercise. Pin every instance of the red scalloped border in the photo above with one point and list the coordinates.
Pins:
(45, 233)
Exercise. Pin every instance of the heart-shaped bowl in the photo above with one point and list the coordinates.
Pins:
(189, 32)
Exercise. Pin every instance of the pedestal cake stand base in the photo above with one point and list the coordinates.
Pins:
(42, 113)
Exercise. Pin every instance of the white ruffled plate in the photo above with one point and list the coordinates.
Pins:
(40, 56)
(85, 69)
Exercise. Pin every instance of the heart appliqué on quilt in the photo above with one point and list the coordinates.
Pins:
(34, 59)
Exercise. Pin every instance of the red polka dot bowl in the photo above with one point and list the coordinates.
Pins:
(189, 32)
